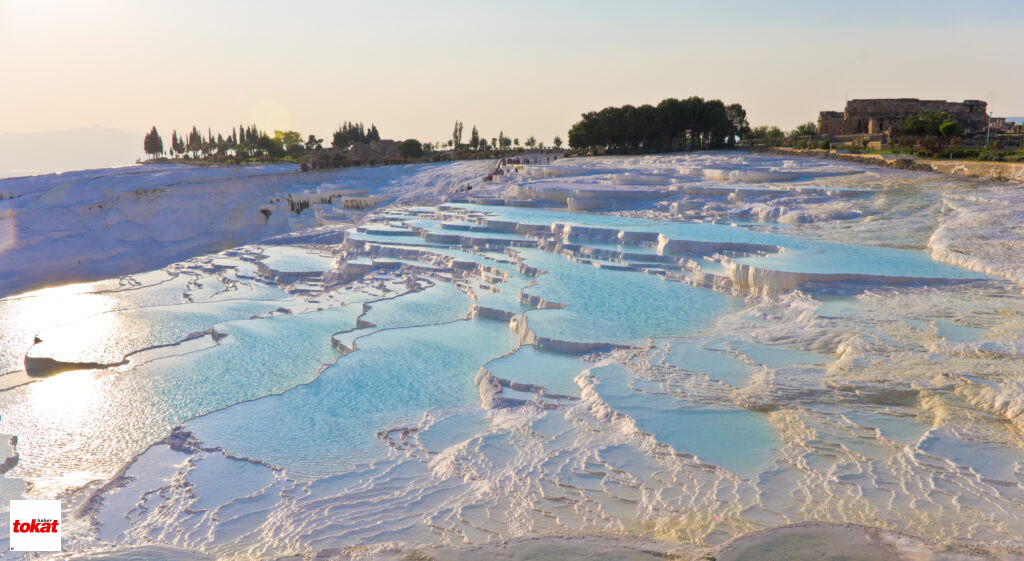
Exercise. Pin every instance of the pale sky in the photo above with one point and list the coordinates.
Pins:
(522, 67)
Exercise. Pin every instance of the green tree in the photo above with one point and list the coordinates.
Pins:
(925, 123)
(738, 119)
(806, 129)
(474, 139)
(314, 143)
(355, 133)
(671, 125)
(180, 148)
(373, 134)
(341, 139)
(530, 142)
(195, 141)
(287, 138)
(457, 135)
(558, 142)
(765, 133)
(949, 129)
(153, 144)
(269, 146)
(410, 149)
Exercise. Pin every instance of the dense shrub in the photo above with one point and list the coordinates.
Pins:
(410, 149)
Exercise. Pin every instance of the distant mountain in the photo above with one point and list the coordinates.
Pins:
(87, 148)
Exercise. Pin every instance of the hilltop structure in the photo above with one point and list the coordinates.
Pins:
(881, 118)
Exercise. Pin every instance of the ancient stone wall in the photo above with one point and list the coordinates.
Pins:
(878, 116)
(830, 123)
(374, 151)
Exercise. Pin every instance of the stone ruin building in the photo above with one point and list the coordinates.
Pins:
(883, 117)
(1000, 125)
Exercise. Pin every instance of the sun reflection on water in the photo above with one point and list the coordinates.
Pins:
(72, 301)
(59, 438)
(67, 398)
(22, 318)
(54, 417)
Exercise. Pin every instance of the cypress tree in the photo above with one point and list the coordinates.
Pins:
(153, 144)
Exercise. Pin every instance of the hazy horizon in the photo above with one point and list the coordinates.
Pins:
(528, 69)
(37, 153)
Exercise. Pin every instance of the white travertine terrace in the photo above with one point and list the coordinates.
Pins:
(674, 350)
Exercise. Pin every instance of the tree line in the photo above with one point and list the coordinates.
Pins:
(478, 143)
(354, 133)
(673, 124)
(775, 133)
(248, 142)
(243, 142)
